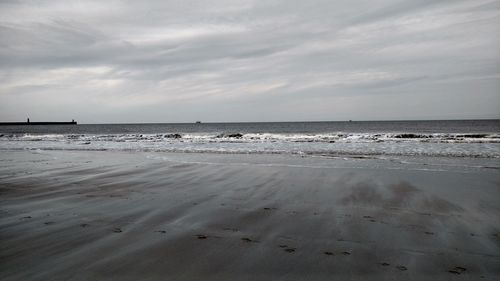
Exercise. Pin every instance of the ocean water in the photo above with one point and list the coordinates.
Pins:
(467, 138)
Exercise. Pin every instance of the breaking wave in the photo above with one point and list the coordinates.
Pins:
(264, 137)
(338, 143)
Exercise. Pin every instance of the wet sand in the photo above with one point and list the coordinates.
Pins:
(69, 215)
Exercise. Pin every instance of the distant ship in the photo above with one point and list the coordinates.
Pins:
(198, 122)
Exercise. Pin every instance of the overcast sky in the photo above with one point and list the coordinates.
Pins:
(227, 60)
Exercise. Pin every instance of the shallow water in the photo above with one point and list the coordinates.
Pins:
(470, 138)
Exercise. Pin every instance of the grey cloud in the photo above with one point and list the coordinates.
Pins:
(397, 8)
(118, 58)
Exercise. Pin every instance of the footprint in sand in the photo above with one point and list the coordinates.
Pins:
(117, 230)
(201, 236)
(246, 239)
(457, 270)
(286, 248)
(328, 253)
(345, 253)
(385, 264)
(84, 224)
(370, 218)
(429, 233)
(48, 222)
(161, 231)
(401, 267)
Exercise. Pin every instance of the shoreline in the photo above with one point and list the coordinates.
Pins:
(84, 215)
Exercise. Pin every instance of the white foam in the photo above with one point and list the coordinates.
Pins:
(336, 143)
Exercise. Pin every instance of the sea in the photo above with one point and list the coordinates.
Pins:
(451, 138)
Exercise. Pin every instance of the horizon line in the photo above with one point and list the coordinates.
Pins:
(309, 121)
(236, 122)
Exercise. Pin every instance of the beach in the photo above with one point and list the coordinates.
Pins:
(122, 215)
(250, 140)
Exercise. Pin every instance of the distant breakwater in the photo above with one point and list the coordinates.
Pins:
(36, 123)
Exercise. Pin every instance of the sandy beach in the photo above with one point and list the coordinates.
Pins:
(93, 215)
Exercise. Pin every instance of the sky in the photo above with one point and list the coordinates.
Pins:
(243, 61)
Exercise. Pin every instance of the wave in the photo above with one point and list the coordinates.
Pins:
(329, 144)
(336, 153)
(264, 137)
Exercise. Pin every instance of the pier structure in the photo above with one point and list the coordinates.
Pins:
(28, 122)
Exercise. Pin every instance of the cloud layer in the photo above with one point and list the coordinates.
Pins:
(227, 60)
